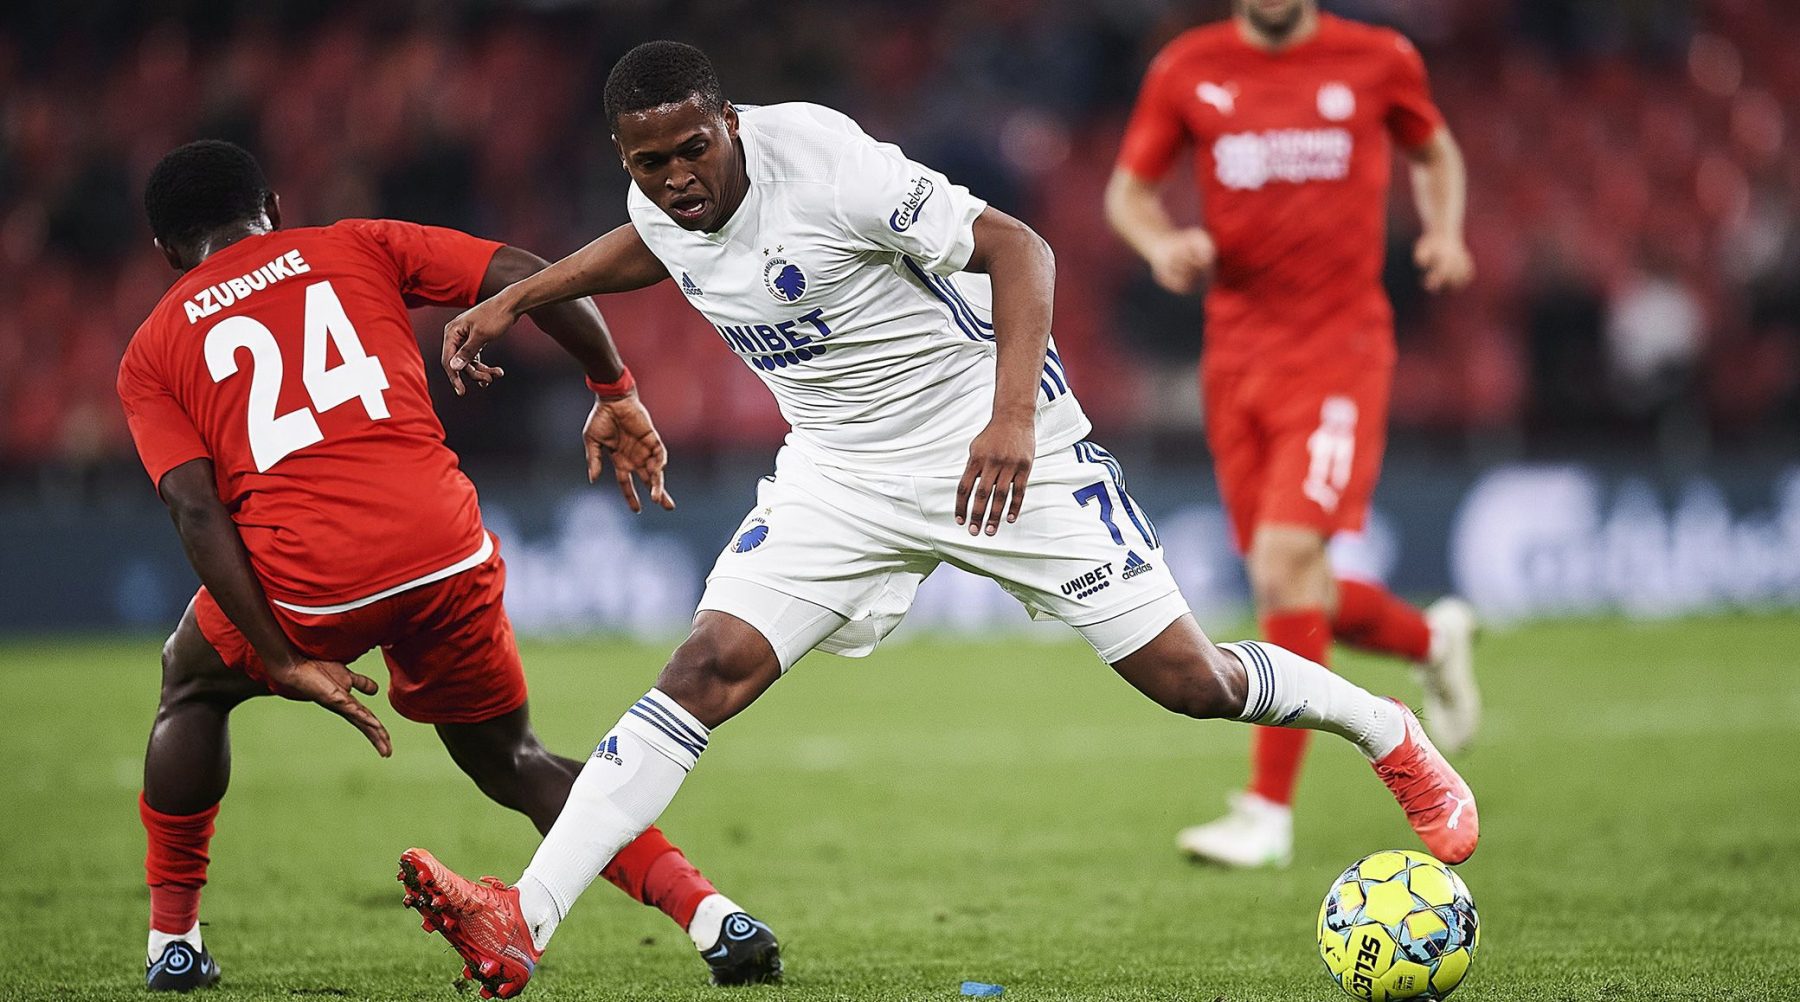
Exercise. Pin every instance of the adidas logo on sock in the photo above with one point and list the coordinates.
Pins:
(689, 286)
(609, 750)
(1134, 565)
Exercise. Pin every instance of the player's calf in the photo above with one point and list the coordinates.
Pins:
(1183, 672)
(187, 766)
(511, 766)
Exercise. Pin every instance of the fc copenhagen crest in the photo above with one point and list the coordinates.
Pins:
(784, 279)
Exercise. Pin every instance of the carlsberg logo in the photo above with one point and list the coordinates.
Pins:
(902, 218)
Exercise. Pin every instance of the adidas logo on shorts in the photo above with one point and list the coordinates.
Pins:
(1134, 565)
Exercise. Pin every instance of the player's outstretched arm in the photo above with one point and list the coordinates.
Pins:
(616, 262)
(619, 426)
(217, 553)
(1440, 186)
(1023, 270)
(1180, 258)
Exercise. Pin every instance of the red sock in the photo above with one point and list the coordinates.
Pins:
(1370, 616)
(653, 871)
(1275, 752)
(175, 865)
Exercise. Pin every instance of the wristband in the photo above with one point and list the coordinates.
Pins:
(617, 388)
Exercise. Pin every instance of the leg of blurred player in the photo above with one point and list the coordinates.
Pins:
(1290, 580)
(186, 770)
(1302, 606)
(508, 763)
(1261, 683)
(1439, 641)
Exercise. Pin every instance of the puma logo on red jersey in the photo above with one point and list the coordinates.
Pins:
(1223, 98)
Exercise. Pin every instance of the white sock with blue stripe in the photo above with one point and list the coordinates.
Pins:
(624, 787)
(1287, 690)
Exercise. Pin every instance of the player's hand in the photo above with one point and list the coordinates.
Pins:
(999, 467)
(330, 684)
(1445, 261)
(1182, 261)
(469, 332)
(620, 427)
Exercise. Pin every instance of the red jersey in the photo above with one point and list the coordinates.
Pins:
(289, 361)
(1292, 156)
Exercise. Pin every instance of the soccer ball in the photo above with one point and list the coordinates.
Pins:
(1398, 925)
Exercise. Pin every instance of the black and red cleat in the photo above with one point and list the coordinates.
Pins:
(481, 920)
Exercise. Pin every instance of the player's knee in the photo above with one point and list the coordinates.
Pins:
(193, 676)
(182, 681)
(1288, 572)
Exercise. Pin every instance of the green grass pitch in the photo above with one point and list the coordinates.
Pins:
(950, 811)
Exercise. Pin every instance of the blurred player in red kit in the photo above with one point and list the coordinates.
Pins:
(278, 401)
(1292, 115)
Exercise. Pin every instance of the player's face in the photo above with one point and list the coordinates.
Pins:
(1274, 18)
(684, 157)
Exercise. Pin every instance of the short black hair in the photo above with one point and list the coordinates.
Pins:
(202, 187)
(657, 73)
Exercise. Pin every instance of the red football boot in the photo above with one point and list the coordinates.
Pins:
(482, 921)
(1438, 804)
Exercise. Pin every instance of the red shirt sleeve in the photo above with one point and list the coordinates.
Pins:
(1412, 117)
(1156, 133)
(438, 266)
(161, 429)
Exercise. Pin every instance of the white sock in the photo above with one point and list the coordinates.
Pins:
(709, 918)
(1287, 690)
(159, 941)
(624, 787)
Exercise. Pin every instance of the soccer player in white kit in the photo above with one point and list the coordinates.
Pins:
(904, 328)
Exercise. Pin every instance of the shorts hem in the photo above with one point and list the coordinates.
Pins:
(781, 588)
(1124, 634)
(424, 715)
(789, 645)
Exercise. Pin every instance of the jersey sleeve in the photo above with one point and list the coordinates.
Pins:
(437, 266)
(889, 202)
(1412, 117)
(161, 429)
(1156, 131)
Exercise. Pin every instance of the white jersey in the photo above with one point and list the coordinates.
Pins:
(837, 281)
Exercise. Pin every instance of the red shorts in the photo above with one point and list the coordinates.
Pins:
(449, 647)
(1297, 447)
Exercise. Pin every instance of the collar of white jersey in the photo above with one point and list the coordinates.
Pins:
(744, 208)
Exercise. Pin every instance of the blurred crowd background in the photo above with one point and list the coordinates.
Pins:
(1635, 198)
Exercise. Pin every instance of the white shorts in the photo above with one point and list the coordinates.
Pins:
(832, 558)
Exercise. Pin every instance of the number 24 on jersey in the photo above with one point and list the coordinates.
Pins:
(358, 377)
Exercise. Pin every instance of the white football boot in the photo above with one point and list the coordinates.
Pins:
(1256, 832)
(1452, 700)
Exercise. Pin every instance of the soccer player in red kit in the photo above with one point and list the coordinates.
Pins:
(1292, 115)
(278, 401)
